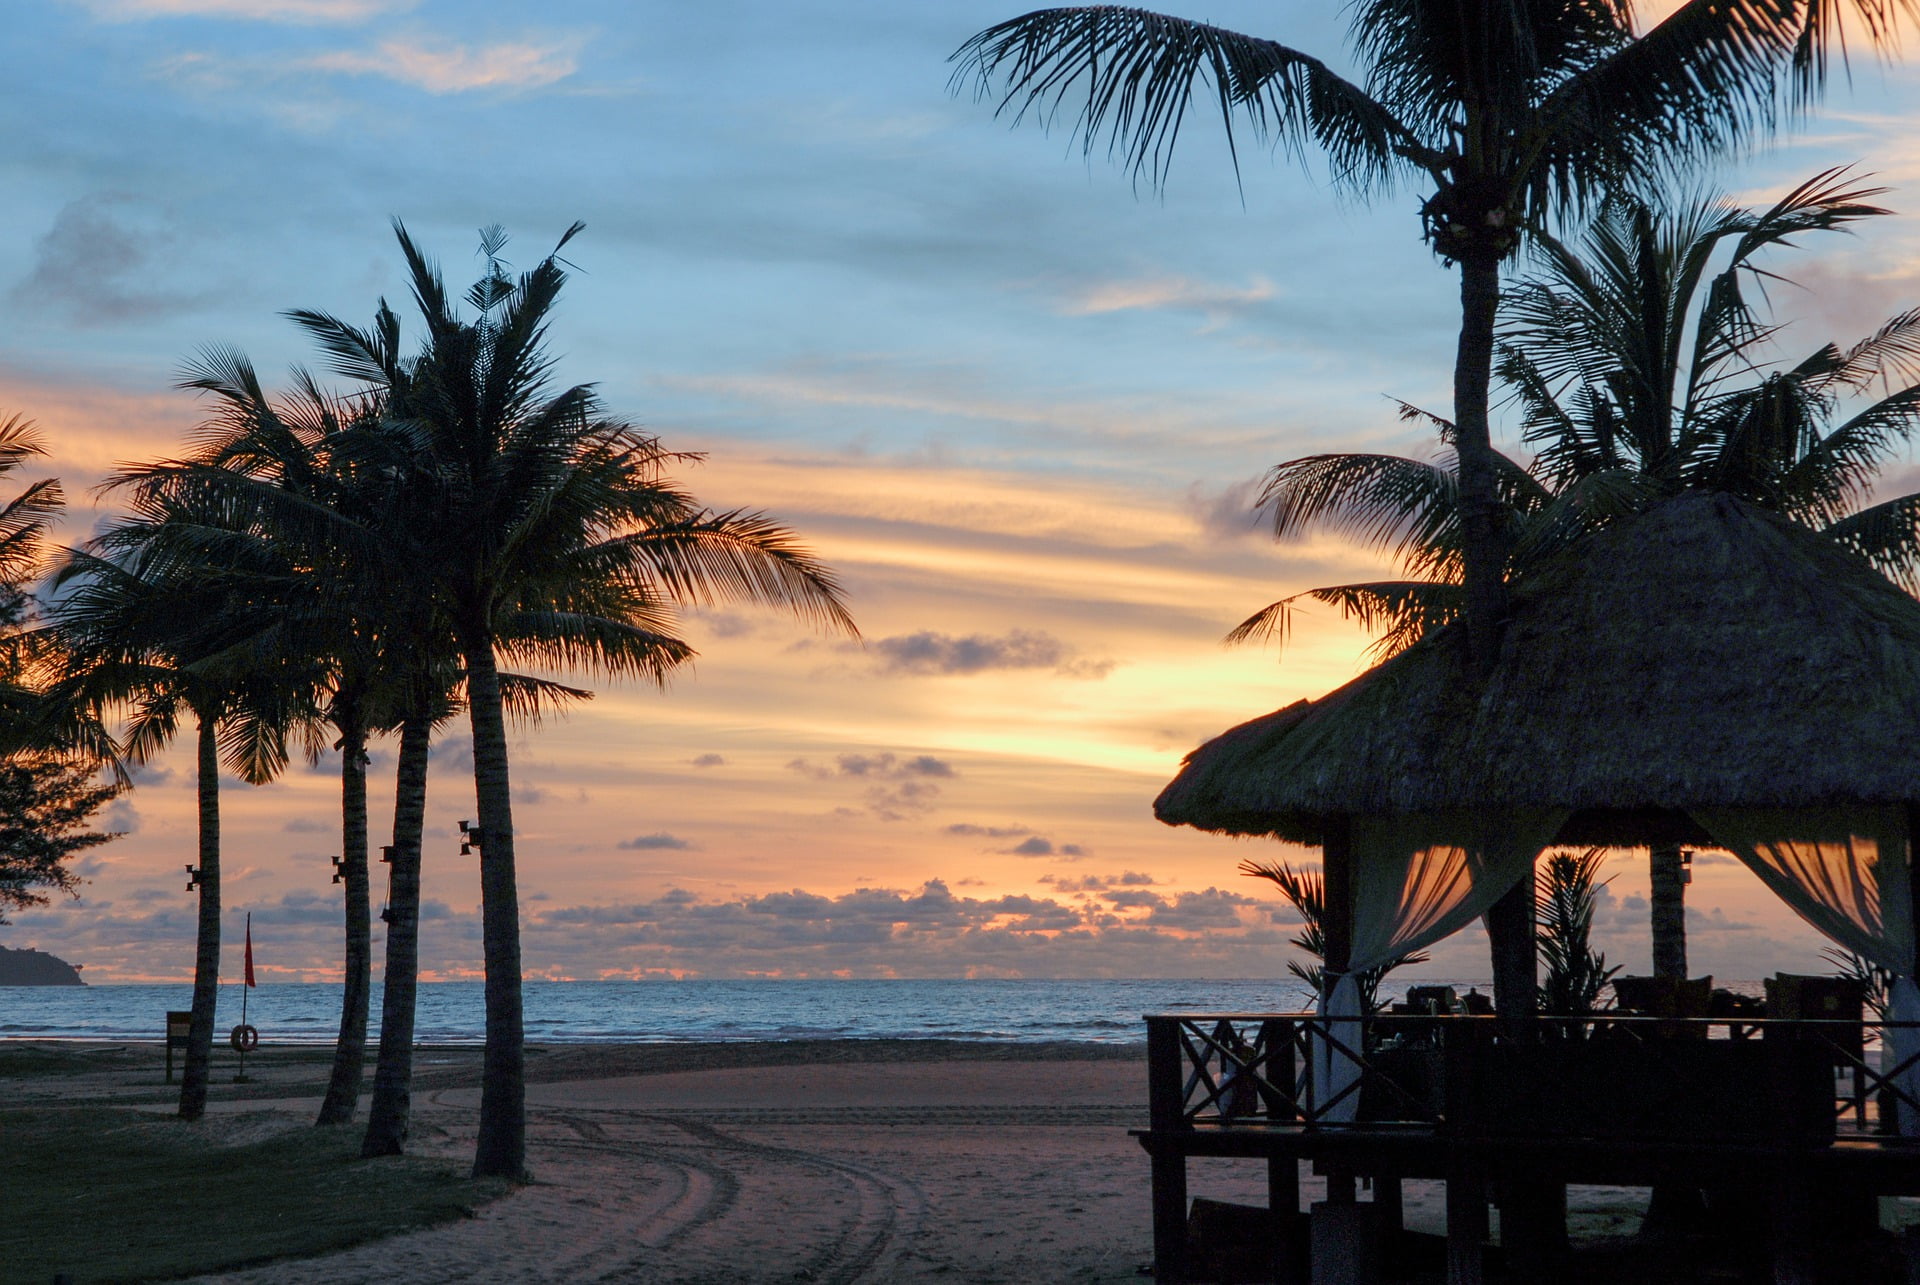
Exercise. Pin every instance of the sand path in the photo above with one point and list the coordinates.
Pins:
(1002, 1172)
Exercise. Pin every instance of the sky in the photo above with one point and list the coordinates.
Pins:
(1019, 402)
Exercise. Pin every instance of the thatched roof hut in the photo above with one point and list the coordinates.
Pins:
(1705, 655)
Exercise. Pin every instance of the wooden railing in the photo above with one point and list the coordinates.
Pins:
(1675, 1079)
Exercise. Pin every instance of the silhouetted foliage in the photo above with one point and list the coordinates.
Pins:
(46, 802)
(1306, 892)
(1574, 976)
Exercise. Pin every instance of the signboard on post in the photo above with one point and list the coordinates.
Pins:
(179, 1022)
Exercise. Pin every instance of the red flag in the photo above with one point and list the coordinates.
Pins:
(250, 980)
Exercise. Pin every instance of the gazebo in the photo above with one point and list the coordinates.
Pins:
(1704, 674)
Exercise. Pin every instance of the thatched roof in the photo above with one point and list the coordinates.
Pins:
(1705, 654)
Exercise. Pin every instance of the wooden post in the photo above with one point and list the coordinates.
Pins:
(1463, 1048)
(1790, 1204)
(1466, 1227)
(1391, 1201)
(1166, 1114)
(1283, 1172)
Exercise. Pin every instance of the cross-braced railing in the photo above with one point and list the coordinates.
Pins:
(1699, 1078)
(1295, 1069)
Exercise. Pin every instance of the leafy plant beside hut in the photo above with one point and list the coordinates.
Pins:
(1876, 983)
(1306, 892)
(1574, 976)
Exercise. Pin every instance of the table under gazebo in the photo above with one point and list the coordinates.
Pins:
(1705, 674)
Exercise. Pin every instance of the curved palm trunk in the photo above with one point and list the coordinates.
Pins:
(1484, 572)
(1510, 922)
(392, 1099)
(502, 1148)
(350, 1049)
(206, 959)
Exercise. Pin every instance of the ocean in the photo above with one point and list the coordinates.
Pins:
(584, 1012)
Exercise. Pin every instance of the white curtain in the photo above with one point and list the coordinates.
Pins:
(1417, 878)
(1846, 871)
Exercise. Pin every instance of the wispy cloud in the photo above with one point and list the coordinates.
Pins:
(928, 652)
(283, 11)
(654, 842)
(103, 262)
(1040, 846)
(444, 68)
(897, 788)
(1161, 294)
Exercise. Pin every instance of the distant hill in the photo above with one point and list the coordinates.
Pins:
(36, 968)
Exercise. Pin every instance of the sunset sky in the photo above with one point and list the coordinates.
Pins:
(1019, 402)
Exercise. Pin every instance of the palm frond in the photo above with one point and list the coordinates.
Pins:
(1401, 612)
(1138, 72)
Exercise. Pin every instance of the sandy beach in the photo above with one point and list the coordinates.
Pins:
(836, 1161)
(825, 1161)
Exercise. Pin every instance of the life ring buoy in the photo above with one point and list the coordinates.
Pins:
(244, 1038)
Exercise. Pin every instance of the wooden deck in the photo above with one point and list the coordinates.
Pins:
(1786, 1112)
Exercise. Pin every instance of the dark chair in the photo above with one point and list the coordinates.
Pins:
(1838, 1000)
(1675, 999)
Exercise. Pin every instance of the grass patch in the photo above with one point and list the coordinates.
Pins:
(23, 1061)
(106, 1195)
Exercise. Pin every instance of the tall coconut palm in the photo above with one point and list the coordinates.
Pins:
(162, 644)
(1625, 370)
(1639, 362)
(330, 507)
(548, 533)
(279, 446)
(1501, 111)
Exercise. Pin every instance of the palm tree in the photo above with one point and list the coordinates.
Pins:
(1641, 371)
(1598, 354)
(1504, 111)
(1638, 375)
(546, 532)
(327, 507)
(262, 467)
(163, 641)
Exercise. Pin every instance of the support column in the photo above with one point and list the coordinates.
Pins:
(1466, 1227)
(1336, 869)
(1166, 1098)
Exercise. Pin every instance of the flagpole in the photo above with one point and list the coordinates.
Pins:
(246, 984)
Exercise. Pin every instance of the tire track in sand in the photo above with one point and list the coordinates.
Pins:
(887, 1212)
(627, 1196)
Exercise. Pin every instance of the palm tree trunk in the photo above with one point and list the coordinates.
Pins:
(1484, 558)
(1668, 895)
(206, 959)
(1511, 935)
(502, 1148)
(392, 1101)
(1510, 921)
(350, 1049)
